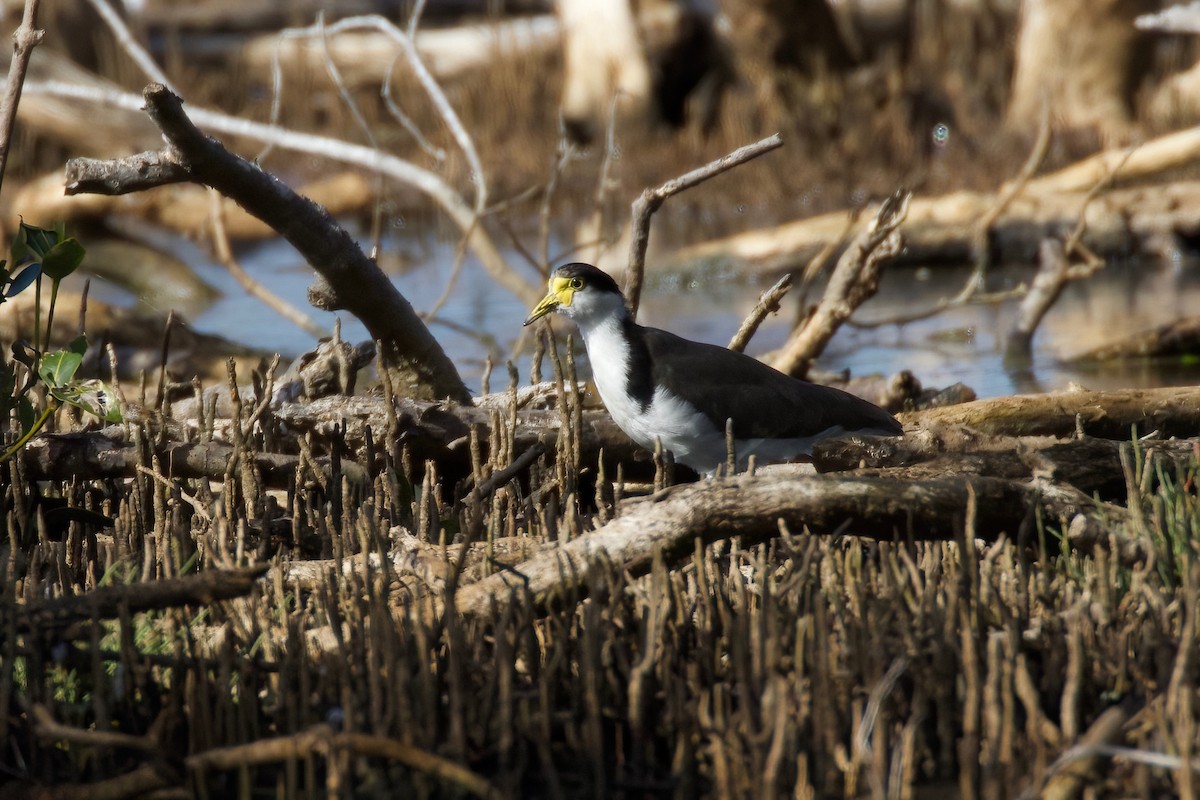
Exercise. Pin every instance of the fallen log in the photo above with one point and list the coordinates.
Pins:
(1174, 339)
(940, 229)
(1091, 465)
(437, 431)
(1171, 412)
(756, 508)
(186, 208)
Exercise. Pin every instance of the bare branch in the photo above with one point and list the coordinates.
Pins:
(25, 38)
(669, 523)
(768, 303)
(651, 200)
(349, 280)
(427, 182)
(129, 44)
(855, 279)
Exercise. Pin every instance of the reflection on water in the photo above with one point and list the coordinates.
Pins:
(962, 344)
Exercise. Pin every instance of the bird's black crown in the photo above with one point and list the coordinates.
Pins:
(591, 276)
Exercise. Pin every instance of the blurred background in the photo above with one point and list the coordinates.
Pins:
(573, 107)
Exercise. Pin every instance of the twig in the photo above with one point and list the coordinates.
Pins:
(109, 601)
(25, 38)
(1008, 193)
(45, 727)
(651, 200)
(130, 44)
(565, 151)
(201, 511)
(224, 254)
(813, 268)
(768, 303)
(460, 258)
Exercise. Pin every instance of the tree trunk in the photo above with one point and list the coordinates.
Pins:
(1083, 57)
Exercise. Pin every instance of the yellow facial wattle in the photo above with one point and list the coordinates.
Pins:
(560, 294)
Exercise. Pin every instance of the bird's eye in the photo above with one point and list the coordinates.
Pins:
(576, 283)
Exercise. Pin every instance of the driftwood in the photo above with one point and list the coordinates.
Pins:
(940, 229)
(349, 280)
(756, 508)
(366, 58)
(441, 431)
(1109, 415)
(186, 208)
(107, 454)
(1174, 339)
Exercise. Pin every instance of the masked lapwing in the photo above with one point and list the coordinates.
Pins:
(660, 387)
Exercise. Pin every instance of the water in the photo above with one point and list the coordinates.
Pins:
(959, 345)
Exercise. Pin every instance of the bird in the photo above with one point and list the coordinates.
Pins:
(662, 388)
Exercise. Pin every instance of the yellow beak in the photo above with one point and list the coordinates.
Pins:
(559, 295)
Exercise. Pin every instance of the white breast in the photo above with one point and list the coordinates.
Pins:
(683, 430)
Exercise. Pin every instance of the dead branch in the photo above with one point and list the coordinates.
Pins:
(1044, 290)
(109, 601)
(855, 279)
(651, 200)
(426, 182)
(25, 39)
(1089, 464)
(1071, 771)
(349, 280)
(670, 523)
(938, 229)
(768, 303)
(49, 729)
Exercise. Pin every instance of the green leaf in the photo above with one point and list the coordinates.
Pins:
(93, 396)
(23, 279)
(62, 259)
(58, 368)
(32, 243)
(79, 344)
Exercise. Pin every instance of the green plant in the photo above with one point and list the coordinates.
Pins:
(37, 253)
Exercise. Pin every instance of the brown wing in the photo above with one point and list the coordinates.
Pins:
(761, 401)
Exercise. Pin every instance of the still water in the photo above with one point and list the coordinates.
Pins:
(959, 345)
